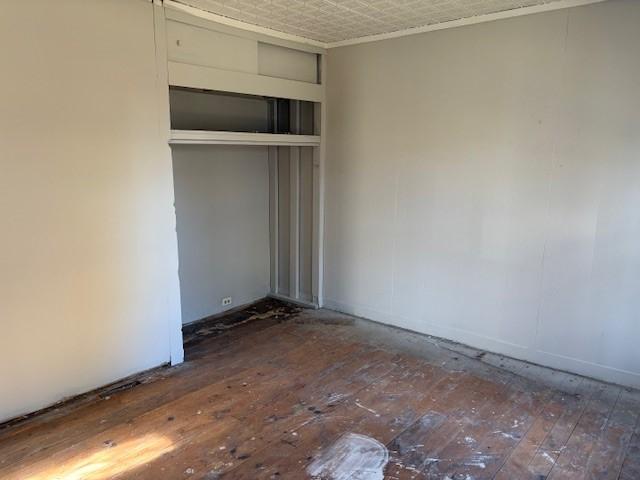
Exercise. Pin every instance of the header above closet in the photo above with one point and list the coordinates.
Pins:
(207, 55)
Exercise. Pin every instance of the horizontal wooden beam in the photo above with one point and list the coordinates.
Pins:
(242, 138)
(209, 78)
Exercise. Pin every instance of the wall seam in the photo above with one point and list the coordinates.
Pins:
(554, 152)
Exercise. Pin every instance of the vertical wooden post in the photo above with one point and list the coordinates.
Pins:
(319, 160)
(176, 349)
(294, 223)
(273, 218)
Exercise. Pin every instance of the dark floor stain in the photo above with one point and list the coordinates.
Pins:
(326, 321)
(121, 387)
(267, 309)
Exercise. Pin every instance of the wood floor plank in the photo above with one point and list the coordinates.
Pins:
(215, 398)
(498, 431)
(573, 460)
(517, 464)
(554, 444)
(369, 413)
(419, 448)
(607, 457)
(270, 397)
(124, 406)
(631, 464)
(278, 411)
(225, 352)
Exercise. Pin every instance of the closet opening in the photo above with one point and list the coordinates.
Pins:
(246, 182)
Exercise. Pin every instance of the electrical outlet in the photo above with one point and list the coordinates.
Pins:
(226, 301)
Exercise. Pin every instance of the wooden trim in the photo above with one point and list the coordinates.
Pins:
(273, 218)
(294, 222)
(319, 187)
(209, 78)
(241, 138)
(176, 348)
(316, 239)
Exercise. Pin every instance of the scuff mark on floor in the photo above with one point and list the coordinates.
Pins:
(351, 457)
(367, 409)
(511, 436)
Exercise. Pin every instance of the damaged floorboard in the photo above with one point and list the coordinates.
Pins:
(277, 392)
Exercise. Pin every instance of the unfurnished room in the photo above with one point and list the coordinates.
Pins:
(320, 239)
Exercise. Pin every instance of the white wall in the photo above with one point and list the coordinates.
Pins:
(483, 185)
(222, 210)
(88, 258)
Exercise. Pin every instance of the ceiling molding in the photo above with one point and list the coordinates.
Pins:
(489, 17)
(516, 12)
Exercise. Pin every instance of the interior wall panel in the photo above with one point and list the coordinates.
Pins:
(282, 62)
(483, 183)
(201, 46)
(88, 259)
(222, 211)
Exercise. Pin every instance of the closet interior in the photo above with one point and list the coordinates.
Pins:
(245, 135)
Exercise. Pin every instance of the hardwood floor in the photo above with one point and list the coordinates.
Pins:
(291, 392)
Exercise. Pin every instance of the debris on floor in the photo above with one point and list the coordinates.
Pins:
(266, 309)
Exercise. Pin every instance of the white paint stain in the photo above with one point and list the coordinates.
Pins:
(351, 457)
(367, 409)
(548, 457)
(335, 397)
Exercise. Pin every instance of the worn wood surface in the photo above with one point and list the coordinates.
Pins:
(264, 399)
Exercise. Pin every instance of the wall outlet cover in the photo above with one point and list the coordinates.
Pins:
(227, 301)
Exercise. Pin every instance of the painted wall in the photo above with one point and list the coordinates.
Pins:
(483, 185)
(222, 210)
(88, 258)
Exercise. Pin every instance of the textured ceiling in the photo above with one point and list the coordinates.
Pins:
(330, 21)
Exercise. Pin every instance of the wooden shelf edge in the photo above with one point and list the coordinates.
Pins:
(203, 137)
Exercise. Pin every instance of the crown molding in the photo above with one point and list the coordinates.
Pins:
(489, 17)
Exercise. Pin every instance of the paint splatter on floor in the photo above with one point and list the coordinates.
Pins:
(352, 457)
